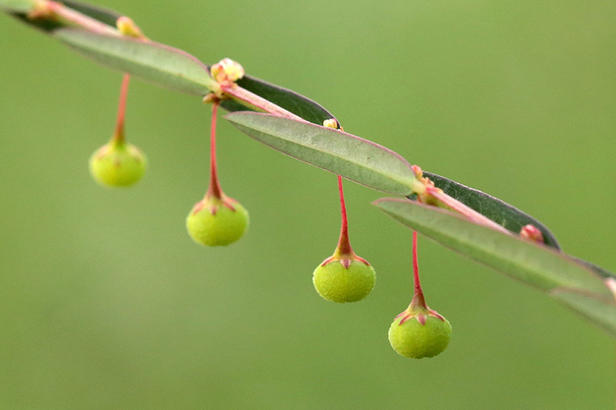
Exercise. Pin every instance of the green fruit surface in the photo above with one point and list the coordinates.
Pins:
(414, 340)
(117, 165)
(222, 228)
(338, 284)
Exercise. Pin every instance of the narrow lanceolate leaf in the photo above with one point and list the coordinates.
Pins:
(157, 63)
(532, 263)
(493, 208)
(355, 158)
(558, 274)
(602, 311)
(291, 101)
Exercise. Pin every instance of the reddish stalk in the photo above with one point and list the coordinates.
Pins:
(118, 136)
(344, 252)
(418, 297)
(214, 189)
(344, 244)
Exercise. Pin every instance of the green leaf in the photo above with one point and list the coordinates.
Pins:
(600, 310)
(355, 158)
(537, 265)
(160, 64)
(291, 101)
(497, 210)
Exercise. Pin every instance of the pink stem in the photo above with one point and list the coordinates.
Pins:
(344, 244)
(214, 188)
(418, 297)
(119, 131)
(258, 102)
(464, 210)
(65, 14)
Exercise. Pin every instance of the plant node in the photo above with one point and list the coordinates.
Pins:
(429, 194)
(42, 9)
(213, 98)
(227, 71)
(424, 187)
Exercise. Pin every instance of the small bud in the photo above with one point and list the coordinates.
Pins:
(532, 233)
(417, 171)
(227, 70)
(217, 221)
(331, 123)
(117, 164)
(423, 187)
(418, 333)
(42, 9)
(344, 280)
(127, 27)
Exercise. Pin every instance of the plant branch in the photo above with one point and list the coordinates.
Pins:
(46, 9)
(464, 210)
(254, 101)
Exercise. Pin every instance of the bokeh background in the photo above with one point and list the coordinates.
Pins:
(107, 304)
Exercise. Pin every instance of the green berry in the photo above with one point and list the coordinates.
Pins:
(337, 283)
(217, 221)
(117, 164)
(410, 338)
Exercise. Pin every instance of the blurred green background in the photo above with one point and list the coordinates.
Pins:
(107, 304)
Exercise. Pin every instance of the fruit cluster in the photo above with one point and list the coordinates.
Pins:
(219, 220)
